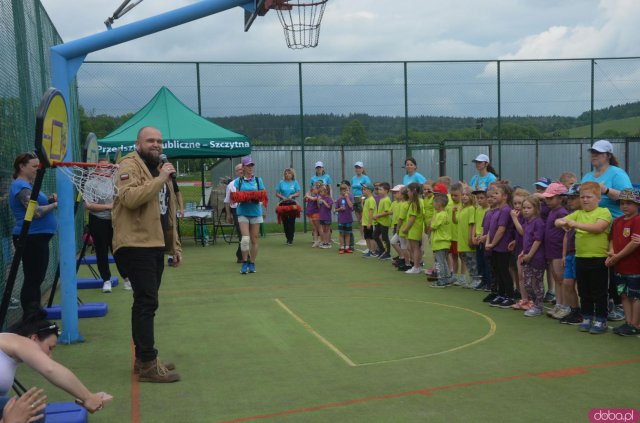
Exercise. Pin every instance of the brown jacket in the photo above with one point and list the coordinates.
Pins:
(136, 209)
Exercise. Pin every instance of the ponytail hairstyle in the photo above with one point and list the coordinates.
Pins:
(492, 170)
(416, 189)
(612, 160)
(507, 190)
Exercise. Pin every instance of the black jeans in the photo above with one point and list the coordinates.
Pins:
(102, 233)
(500, 267)
(144, 266)
(35, 261)
(592, 276)
(289, 226)
(381, 237)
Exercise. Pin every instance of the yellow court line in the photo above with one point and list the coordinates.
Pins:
(311, 330)
(489, 334)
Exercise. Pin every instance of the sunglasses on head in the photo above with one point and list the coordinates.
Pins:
(53, 329)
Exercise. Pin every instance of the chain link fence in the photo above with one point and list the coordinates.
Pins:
(534, 118)
(26, 34)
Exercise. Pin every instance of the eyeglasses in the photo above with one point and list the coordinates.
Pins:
(53, 329)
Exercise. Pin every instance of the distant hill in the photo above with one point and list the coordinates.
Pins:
(610, 128)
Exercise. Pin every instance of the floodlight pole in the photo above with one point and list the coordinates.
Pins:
(66, 60)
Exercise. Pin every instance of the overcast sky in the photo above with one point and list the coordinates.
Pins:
(377, 30)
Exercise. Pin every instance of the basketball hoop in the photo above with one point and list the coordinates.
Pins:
(300, 20)
(95, 181)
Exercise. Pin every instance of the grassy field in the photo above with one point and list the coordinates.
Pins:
(628, 125)
(315, 336)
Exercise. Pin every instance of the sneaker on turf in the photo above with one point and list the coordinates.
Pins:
(599, 326)
(506, 303)
(534, 311)
(563, 311)
(440, 283)
(518, 305)
(404, 268)
(527, 305)
(496, 301)
(367, 255)
(245, 268)
(315, 244)
(621, 328)
(630, 331)
(616, 314)
(349, 251)
(127, 285)
(341, 251)
(553, 310)
(361, 242)
(106, 287)
(384, 256)
(252, 267)
(492, 296)
(585, 326)
(413, 271)
(550, 297)
(574, 318)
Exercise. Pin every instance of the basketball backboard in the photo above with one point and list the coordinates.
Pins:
(253, 9)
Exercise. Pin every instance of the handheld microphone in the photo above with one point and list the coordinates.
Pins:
(163, 160)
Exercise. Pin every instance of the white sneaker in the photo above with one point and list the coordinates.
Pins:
(127, 285)
(315, 244)
(361, 242)
(106, 287)
(413, 271)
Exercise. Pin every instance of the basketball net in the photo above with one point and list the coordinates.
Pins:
(300, 20)
(95, 181)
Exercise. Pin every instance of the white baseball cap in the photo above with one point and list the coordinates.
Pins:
(319, 164)
(481, 158)
(602, 146)
(358, 164)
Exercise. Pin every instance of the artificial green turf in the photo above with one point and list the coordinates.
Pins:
(241, 354)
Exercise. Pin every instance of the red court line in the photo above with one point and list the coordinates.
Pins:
(430, 391)
(135, 390)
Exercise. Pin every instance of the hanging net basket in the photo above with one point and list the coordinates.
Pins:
(95, 181)
(300, 20)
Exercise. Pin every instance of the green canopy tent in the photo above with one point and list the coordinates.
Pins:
(185, 133)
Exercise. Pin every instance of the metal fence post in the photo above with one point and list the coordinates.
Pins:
(406, 112)
(499, 121)
(302, 138)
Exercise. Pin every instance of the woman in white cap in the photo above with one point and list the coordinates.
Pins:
(606, 172)
(612, 180)
(321, 175)
(357, 181)
(486, 173)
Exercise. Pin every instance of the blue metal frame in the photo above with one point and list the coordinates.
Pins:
(66, 60)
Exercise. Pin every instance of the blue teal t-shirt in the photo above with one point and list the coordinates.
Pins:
(356, 184)
(481, 183)
(615, 178)
(45, 225)
(287, 188)
(249, 209)
(416, 177)
(326, 179)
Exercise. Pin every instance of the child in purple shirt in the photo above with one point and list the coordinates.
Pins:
(325, 203)
(489, 280)
(344, 210)
(313, 213)
(500, 235)
(532, 257)
(553, 238)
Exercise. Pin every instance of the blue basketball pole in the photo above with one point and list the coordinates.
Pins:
(66, 59)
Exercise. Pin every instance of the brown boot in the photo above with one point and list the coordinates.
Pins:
(136, 366)
(155, 372)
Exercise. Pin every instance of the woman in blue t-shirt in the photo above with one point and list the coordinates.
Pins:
(485, 176)
(411, 166)
(357, 181)
(606, 172)
(287, 191)
(35, 259)
(250, 214)
(321, 175)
